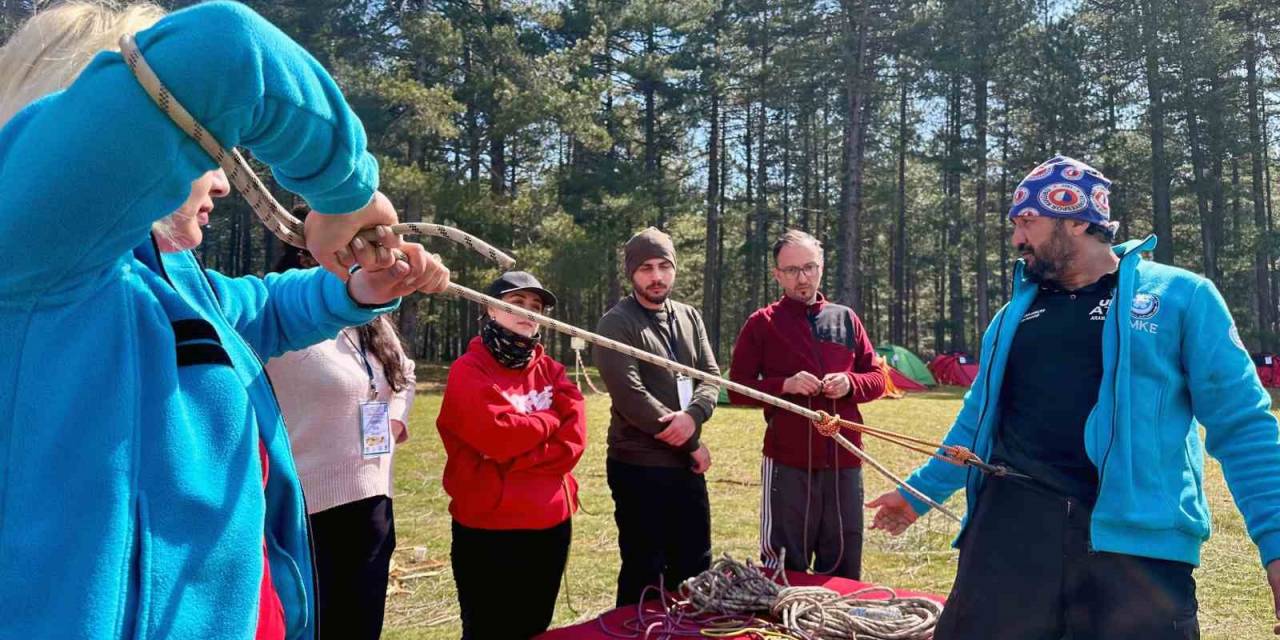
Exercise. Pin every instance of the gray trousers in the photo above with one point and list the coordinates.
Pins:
(816, 516)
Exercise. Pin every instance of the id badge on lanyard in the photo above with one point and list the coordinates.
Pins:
(375, 416)
(684, 387)
(684, 384)
(375, 429)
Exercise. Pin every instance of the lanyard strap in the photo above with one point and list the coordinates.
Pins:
(364, 359)
(671, 342)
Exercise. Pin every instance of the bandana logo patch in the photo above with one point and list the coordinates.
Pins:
(1039, 172)
(1101, 199)
(1061, 197)
(1020, 196)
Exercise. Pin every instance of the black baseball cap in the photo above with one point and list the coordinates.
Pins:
(513, 281)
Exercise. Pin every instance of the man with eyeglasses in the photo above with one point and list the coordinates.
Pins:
(815, 353)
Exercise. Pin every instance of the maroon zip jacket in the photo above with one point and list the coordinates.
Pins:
(788, 337)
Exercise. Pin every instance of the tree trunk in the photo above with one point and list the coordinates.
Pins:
(955, 220)
(806, 166)
(1217, 157)
(786, 166)
(246, 243)
(748, 248)
(855, 37)
(1004, 206)
(1208, 250)
(473, 121)
(980, 187)
(913, 311)
(710, 268)
(1118, 213)
(410, 211)
(718, 283)
(897, 318)
(1163, 220)
(1262, 253)
(497, 163)
(759, 254)
(759, 245)
(940, 287)
(1236, 209)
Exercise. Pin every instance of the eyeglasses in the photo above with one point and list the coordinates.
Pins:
(809, 270)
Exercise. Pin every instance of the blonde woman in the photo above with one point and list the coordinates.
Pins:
(148, 489)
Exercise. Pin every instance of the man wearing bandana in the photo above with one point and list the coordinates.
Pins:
(513, 427)
(1094, 381)
(655, 459)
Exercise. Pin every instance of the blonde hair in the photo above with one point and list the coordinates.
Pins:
(52, 48)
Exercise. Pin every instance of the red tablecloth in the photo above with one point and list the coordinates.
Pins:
(614, 620)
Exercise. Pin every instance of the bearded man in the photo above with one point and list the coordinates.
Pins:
(1094, 381)
(656, 458)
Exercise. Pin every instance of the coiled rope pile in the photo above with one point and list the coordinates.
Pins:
(733, 599)
(732, 588)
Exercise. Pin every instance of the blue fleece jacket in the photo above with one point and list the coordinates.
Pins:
(132, 395)
(1172, 361)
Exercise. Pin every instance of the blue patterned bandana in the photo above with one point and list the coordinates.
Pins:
(1063, 187)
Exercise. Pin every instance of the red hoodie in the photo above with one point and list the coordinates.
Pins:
(511, 436)
(788, 337)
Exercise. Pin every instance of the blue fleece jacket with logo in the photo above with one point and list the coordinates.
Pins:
(132, 395)
(1172, 361)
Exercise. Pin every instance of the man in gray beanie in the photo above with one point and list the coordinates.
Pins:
(655, 458)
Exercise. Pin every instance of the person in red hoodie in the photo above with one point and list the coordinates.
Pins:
(513, 427)
(815, 353)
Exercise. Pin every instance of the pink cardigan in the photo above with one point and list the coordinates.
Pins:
(319, 389)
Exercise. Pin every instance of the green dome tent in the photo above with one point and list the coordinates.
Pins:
(907, 363)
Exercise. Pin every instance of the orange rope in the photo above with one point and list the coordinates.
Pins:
(828, 424)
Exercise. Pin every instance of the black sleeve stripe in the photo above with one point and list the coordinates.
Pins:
(851, 333)
(194, 329)
(202, 353)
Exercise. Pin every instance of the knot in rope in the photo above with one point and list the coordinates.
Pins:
(962, 455)
(827, 424)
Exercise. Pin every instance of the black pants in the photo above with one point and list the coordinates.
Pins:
(815, 515)
(353, 545)
(1027, 573)
(508, 580)
(664, 526)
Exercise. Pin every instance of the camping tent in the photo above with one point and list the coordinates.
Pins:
(907, 363)
(904, 383)
(1268, 365)
(896, 385)
(954, 368)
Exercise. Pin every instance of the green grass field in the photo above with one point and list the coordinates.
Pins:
(1234, 599)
